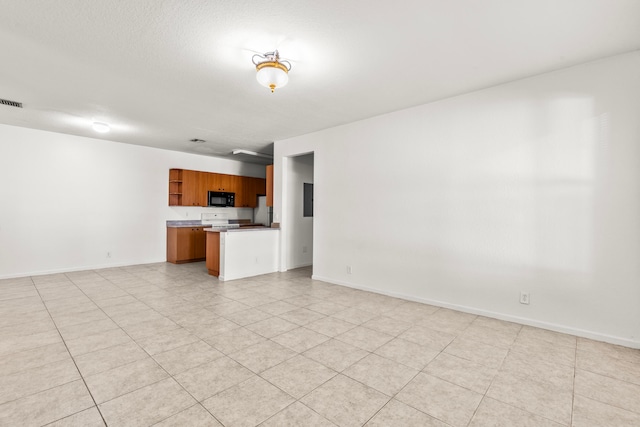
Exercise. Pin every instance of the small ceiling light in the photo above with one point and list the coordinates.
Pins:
(272, 72)
(101, 127)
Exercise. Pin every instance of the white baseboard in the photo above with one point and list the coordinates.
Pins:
(82, 268)
(612, 339)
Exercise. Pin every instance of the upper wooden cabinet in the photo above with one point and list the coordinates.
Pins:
(175, 187)
(223, 182)
(194, 186)
(269, 185)
(250, 189)
(189, 188)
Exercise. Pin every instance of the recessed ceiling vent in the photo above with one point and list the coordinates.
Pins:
(10, 103)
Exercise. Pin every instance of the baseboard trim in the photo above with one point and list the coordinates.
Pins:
(83, 268)
(612, 339)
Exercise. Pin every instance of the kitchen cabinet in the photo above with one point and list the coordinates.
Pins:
(213, 253)
(194, 185)
(250, 189)
(222, 182)
(269, 185)
(190, 188)
(175, 187)
(186, 244)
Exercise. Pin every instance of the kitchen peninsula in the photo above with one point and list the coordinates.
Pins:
(236, 253)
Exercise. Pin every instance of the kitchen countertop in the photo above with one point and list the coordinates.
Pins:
(186, 224)
(241, 229)
(198, 223)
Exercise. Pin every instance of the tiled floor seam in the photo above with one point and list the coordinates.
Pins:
(393, 397)
(536, 340)
(399, 391)
(509, 404)
(39, 391)
(484, 395)
(606, 403)
(73, 360)
(151, 356)
(573, 388)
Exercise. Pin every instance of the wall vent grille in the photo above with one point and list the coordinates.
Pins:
(10, 103)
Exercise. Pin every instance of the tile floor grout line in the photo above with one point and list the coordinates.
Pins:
(394, 396)
(152, 358)
(484, 395)
(510, 350)
(155, 382)
(278, 290)
(615, 405)
(72, 358)
(573, 389)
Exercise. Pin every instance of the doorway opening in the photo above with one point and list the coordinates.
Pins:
(298, 209)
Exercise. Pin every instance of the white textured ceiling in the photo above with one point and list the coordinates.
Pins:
(164, 71)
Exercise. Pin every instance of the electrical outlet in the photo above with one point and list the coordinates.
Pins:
(256, 260)
(304, 249)
(524, 298)
(108, 254)
(349, 269)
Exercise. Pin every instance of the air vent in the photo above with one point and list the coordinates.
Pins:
(11, 103)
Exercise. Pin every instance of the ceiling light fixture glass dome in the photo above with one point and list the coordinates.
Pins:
(101, 127)
(271, 71)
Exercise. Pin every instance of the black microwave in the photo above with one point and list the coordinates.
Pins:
(221, 199)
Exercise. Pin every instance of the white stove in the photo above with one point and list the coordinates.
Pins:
(217, 221)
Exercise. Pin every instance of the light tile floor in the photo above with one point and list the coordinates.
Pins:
(168, 345)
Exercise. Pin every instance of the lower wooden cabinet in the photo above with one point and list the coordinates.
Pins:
(186, 244)
(213, 253)
(269, 184)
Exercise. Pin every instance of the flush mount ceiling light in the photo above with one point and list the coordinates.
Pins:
(101, 127)
(272, 72)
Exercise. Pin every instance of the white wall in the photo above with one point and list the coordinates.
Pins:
(299, 229)
(66, 200)
(529, 186)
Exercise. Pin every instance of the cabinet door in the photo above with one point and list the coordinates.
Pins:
(259, 186)
(193, 188)
(213, 253)
(222, 182)
(269, 190)
(251, 188)
(184, 246)
(199, 242)
(244, 196)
